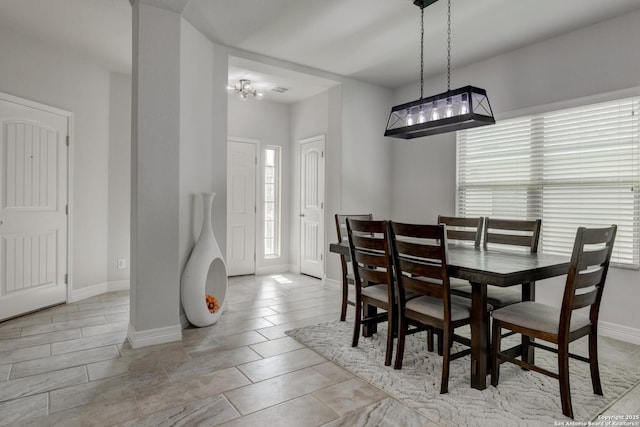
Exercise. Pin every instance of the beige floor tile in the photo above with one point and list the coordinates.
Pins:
(88, 342)
(211, 411)
(26, 353)
(332, 371)
(214, 362)
(629, 404)
(277, 346)
(4, 372)
(278, 331)
(30, 341)
(106, 328)
(385, 413)
(51, 363)
(64, 317)
(304, 411)
(276, 390)
(62, 326)
(35, 384)
(15, 411)
(280, 364)
(349, 395)
(9, 333)
(199, 345)
(97, 414)
(111, 389)
(154, 399)
(35, 319)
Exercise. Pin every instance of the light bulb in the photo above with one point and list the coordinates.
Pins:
(434, 112)
(449, 110)
(421, 117)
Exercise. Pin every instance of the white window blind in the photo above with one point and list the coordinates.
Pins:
(571, 168)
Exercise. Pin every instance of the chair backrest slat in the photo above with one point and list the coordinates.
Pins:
(370, 254)
(420, 260)
(588, 278)
(341, 224)
(584, 300)
(463, 229)
(588, 268)
(423, 287)
(521, 233)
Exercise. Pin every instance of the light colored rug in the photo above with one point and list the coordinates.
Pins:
(522, 398)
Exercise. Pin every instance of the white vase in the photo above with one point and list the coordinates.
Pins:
(205, 273)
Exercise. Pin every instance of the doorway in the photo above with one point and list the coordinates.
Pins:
(312, 206)
(34, 227)
(242, 163)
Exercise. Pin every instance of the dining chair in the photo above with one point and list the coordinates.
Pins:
(347, 273)
(512, 235)
(373, 278)
(560, 326)
(420, 262)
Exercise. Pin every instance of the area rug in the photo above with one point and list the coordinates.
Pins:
(523, 398)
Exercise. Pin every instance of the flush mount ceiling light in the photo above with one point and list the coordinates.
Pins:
(244, 90)
(453, 110)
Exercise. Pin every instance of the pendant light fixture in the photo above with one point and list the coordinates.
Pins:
(453, 110)
(245, 90)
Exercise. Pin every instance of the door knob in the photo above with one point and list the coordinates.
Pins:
(301, 214)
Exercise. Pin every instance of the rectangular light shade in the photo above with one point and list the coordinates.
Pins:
(463, 108)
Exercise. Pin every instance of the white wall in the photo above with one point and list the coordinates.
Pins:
(269, 123)
(587, 62)
(196, 130)
(36, 71)
(119, 202)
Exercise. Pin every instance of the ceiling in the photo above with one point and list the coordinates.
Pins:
(377, 41)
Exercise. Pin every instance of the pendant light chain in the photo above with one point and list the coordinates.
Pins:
(449, 46)
(421, 52)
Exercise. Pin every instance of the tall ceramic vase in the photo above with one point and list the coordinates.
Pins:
(205, 273)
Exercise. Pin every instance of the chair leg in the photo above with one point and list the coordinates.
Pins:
(495, 363)
(345, 295)
(402, 330)
(391, 329)
(358, 321)
(430, 339)
(526, 349)
(440, 341)
(593, 363)
(444, 384)
(563, 372)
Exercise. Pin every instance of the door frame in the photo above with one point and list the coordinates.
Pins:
(258, 193)
(70, 143)
(301, 142)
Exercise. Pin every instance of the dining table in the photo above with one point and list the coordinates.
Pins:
(483, 267)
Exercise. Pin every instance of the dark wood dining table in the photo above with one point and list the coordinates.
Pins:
(489, 267)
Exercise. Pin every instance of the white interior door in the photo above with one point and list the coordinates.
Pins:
(241, 207)
(312, 206)
(33, 206)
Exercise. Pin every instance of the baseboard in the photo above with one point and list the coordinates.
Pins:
(273, 269)
(332, 281)
(619, 332)
(139, 339)
(97, 289)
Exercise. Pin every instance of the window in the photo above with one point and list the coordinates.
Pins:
(271, 202)
(571, 168)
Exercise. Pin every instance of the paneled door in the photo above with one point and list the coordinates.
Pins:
(312, 206)
(33, 206)
(241, 207)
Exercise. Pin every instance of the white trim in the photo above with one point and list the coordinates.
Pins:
(619, 332)
(154, 336)
(335, 282)
(97, 289)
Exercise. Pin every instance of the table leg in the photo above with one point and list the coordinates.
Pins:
(369, 328)
(479, 336)
(528, 294)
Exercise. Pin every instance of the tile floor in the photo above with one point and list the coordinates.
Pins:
(71, 366)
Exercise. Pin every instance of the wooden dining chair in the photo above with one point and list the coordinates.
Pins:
(347, 272)
(373, 278)
(560, 326)
(512, 235)
(420, 261)
(463, 230)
